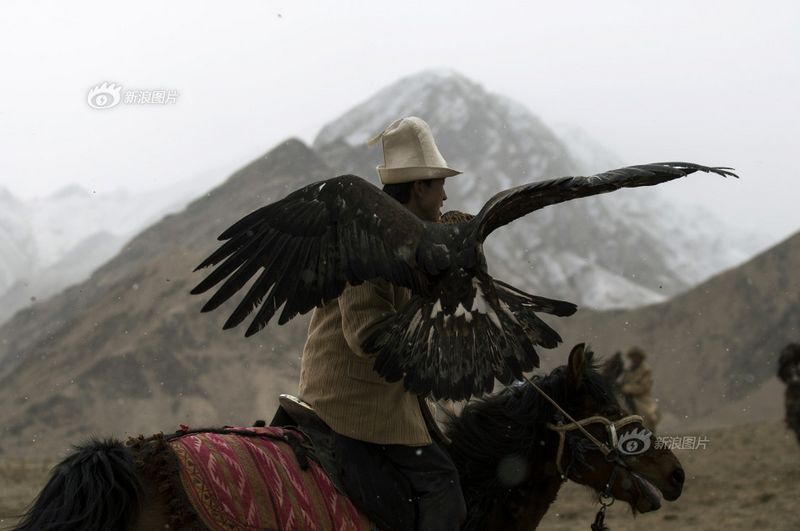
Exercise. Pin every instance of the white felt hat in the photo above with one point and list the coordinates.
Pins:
(409, 153)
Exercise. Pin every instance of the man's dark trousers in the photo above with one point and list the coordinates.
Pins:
(385, 480)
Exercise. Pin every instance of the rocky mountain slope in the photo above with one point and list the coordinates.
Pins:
(714, 344)
(16, 240)
(128, 350)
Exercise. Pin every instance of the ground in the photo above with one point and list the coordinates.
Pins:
(20, 481)
(747, 477)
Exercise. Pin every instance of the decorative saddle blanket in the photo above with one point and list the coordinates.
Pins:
(254, 478)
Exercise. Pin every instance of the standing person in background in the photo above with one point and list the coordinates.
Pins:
(636, 386)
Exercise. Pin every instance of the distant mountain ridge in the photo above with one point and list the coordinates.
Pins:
(52, 242)
(128, 349)
(498, 143)
(16, 240)
(714, 344)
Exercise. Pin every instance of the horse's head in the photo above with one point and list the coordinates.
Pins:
(618, 456)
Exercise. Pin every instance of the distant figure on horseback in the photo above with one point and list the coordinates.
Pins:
(636, 385)
(789, 373)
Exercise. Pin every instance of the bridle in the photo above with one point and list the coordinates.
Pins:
(611, 454)
(612, 428)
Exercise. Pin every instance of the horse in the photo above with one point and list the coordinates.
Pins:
(514, 450)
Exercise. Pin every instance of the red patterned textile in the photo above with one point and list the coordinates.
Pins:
(237, 481)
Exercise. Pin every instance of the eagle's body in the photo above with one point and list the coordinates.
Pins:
(461, 328)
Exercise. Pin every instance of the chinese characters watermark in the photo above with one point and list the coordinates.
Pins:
(684, 442)
(108, 95)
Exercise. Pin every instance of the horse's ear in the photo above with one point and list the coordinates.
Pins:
(577, 363)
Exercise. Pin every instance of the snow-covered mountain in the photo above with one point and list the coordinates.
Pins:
(591, 155)
(625, 249)
(17, 247)
(489, 137)
(52, 242)
(695, 231)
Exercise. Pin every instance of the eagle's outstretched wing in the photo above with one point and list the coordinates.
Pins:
(516, 202)
(309, 245)
(462, 328)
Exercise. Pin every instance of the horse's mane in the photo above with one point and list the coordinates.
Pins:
(510, 424)
(505, 421)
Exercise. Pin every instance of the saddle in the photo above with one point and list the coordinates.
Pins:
(294, 412)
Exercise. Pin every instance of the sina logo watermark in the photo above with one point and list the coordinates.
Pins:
(635, 442)
(104, 96)
(108, 95)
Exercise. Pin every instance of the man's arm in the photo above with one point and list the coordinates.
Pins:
(363, 307)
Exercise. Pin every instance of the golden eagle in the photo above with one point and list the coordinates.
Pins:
(461, 328)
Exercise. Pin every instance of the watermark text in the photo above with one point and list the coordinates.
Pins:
(683, 442)
(108, 95)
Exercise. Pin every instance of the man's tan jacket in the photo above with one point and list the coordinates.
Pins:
(336, 376)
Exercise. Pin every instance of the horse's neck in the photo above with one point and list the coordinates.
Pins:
(522, 506)
(526, 505)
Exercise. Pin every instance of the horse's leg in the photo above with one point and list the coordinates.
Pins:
(154, 514)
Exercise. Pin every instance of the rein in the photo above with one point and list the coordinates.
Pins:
(561, 429)
(601, 446)
(606, 498)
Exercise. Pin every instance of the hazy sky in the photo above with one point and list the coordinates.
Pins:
(715, 82)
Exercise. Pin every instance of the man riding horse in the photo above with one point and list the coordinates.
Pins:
(398, 297)
(381, 433)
